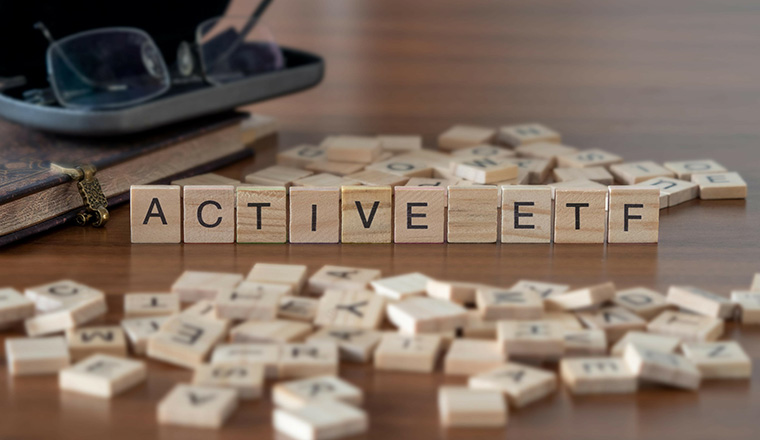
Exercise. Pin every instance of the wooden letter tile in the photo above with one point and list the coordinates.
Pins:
(615, 321)
(335, 167)
(580, 215)
(366, 214)
(209, 213)
(354, 345)
(462, 407)
(310, 359)
(33, 356)
(419, 216)
(481, 151)
(138, 330)
(585, 342)
(84, 342)
(63, 305)
(184, 341)
(496, 304)
(361, 149)
(582, 298)
(526, 214)
(634, 215)
(545, 150)
(194, 286)
(631, 173)
(298, 308)
(249, 301)
(589, 158)
(524, 134)
(297, 393)
(700, 301)
(538, 170)
(545, 290)
(246, 379)
(423, 314)
(687, 327)
(719, 360)
(341, 278)
(400, 143)
(717, 186)
(401, 286)
(102, 375)
(458, 292)
(484, 170)
(278, 331)
(684, 169)
(749, 304)
(675, 191)
(155, 213)
(301, 156)
(652, 341)
(463, 136)
(521, 384)
(473, 356)
(262, 214)
(314, 215)
(293, 275)
(371, 177)
(197, 406)
(14, 307)
(665, 368)
(266, 355)
(642, 301)
(359, 309)
(140, 305)
(541, 340)
(322, 420)
(473, 214)
(277, 175)
(413, 353)
(594, 174)
(598, 375)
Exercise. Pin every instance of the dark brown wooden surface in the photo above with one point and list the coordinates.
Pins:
(646, 79)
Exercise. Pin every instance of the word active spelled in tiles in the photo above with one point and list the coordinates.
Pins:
(749, 305)
(209, 214)
(341, 278)
(309, 359)
(266, 355)
(472, 356)
(247, 379)
(270, 332)
(34, 356)
(401, 286)
(496, 304)
(719, 360)
(465, 407)
(717, 186)
(354, 345)
(366, 214)
(526, 214)
(413, 353)
(185, 341)
(700, 301)
(542, 340)
(14, 307)
(155, 213)
(62, 305)
(322, 420)
(360, 309)
(89, 340)
(473, 214)
(262, 215)
(580, 215)
(420, 213)
(194, 286)
(634, 215)
(138, 305)
(102, 375)
(687, 326)
(197, 406)
(598, 375)
(522, 384)
(423, 314)
(314, 215)
(297, 393)
(665, 368)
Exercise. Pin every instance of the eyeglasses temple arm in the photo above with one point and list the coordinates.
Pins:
(249, 25)
(40, 26)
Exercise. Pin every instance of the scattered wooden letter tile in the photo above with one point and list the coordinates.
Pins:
(463, 136)
(33, 356)
(545, 290)
(719, 360)
(102, 375)
(684, 169)
(185, 341)
(354, 345)
(262, 214)
(485, 150)
(366, 214)
(373, 177)
(64, 293)
(401, 286)
(250, 301)
(293, 275)
(598, 375)
(266, 355)
(631, 173)
(197, 406)
(322, 180)
(278, 331)
(582, 298)
(496, 303)
(301, 156)
(642, 301)
(297, 393)
(277, 175)
(298, 308)
(404, 166)
(594, 174)
(700, 301)
(585, 342)
(543, 340)
(322, 420)
(521, 384)
(484, 170)
(14, 307)
(314, 215)
(458, 292)
(567, 320)
(714, 186)
(194, 286)
(634, 215)
(576, 184)
(414, 353)
(652, 341)
(155, 213)
(538, 170)
(138, 330)
(526, 214)
(361, 149)
(86, 341)
(205, 310)
(473, 356)
(62, 305)
(545, 150)
(342, 278)
(478, 328)
(357, 309)
(665, 368)
(309, 359)
(400, 143)
(335, 167)
(615, 321)
(423, 314)
(688, 327)
(246, 379)
(209, 214)
(674, 191)
(749, 304)
(589, 158)
(462, 407)
(206, 179)
(140, 305)
(524, 134)
(580, 215)
(420, 214)
(473, 214)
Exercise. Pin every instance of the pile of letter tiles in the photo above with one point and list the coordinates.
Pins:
(515, 184)
(283, 328)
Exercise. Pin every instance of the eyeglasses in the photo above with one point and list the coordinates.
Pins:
(117, 67)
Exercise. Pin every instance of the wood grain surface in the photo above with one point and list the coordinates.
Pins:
(648, 80)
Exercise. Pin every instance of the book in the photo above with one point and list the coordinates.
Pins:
(35, 197)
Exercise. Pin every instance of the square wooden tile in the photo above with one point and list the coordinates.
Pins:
(485, 150)
(400, 143)
(749, 304)
(301, 156)
(204, 310)
(36, 356)
(496, 304)
(197, 406)
(366, 214)
(420, 214)
(463, 136)
(139, 305)
(687, 327)
(545, 290)
(341, 277)
(598, 375)
(184, 341)
(358, 309)
(586, 342)
(250, 301)
(483, 170)
(308, 359)
(209, 214)
(298, 308)
(314, 215)
(634, 215)
(478, 328)
(278, 331)
(155, 213)
(542, 340)
(473, 356)
(462, 407)
(526, 214)
(524, 134)
(589, 158)
(538, 170)
(412, 353)
(615, 321)
(14, 307)
(594, 174)
(719, 360)
(652, 341)
(580, 215)
(320, 420)
(375, 177)
(631, 173)
(86, 341)
(354, 345)
(458, 292)
(266, 355)
(685, 168)
(262, 214)
(297, 393)
(643, 301)
(102, 375)
(62, 305)
(293, 275)
(521, 384)
(700, 301)
(717, 186)
(362, 149)
(664, 368)
(545, 150)
(401, 286)
(473, 214)
(675, 191)
(419, 314)
(194, 286)
(138, 330)
(246, 379)
(582, 298)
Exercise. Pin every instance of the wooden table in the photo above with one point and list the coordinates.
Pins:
(645, 79)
